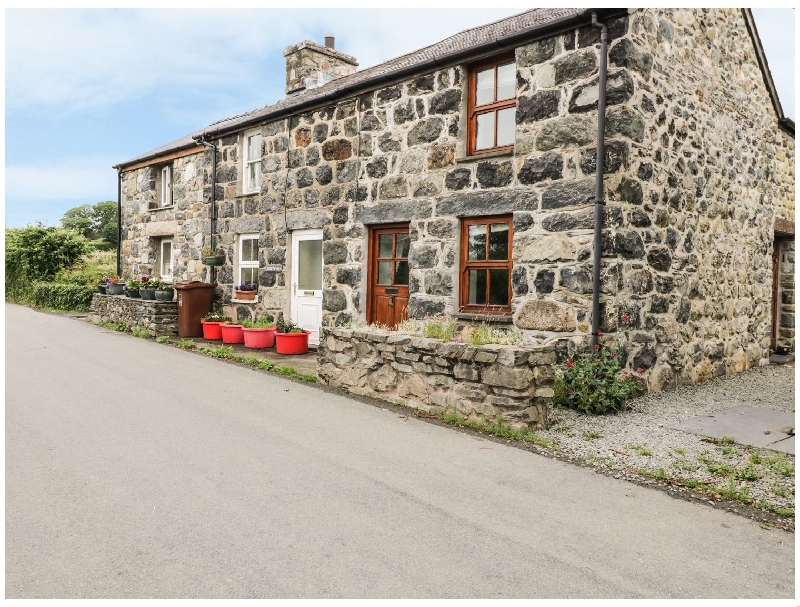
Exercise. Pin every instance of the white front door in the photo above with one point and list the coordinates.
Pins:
(307, 281)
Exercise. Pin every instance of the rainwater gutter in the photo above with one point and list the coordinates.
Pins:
(599, 203)
(212, 275)
(120, 172)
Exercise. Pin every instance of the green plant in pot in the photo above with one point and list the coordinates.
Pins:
(290, 338)
(212, 325)
(212, 258)
(132, 287)
(115, 286)
(259, 333)
(164, 292)
(147, 289)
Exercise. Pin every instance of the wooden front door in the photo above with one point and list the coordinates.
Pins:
(387, 290)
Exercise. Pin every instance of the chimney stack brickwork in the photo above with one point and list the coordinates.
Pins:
(309, 65)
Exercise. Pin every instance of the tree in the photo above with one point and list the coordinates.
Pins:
(96, 222)
(80, 219)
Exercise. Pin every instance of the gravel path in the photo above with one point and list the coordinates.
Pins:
(636, 444)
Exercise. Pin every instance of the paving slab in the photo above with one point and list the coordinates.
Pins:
(747, 425)
(304, 363)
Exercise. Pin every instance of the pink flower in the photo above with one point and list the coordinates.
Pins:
(625, 372)
(612, 356)
(570, 363)
(597, 346)
(639, 370)
(600, 333)
(625, 318)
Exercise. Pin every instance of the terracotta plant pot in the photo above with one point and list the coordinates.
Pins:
(148, 294)
(232, 334)
(292, 343)
(246, 295)
(259, 337)
(211, 329)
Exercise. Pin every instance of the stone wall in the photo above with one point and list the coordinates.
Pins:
(709, 171)
(479, 383)
(696, 173)
(157, 317)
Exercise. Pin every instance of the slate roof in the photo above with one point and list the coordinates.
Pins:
(472, 42)
(484, 38)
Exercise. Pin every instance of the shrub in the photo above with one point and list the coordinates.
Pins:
(591, 382)
(37, 253)
(485, 334)
(62, 296)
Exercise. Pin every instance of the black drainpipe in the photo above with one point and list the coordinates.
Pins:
(119, 220)
(212, 275)
(599, 203)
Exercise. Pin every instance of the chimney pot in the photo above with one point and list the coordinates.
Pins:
(330, 41)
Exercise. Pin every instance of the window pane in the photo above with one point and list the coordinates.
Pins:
(384, 272)
(506, 81)
(498, 241)
(402, 245)
(477, 242)
(253, 147)
(498, 287)
(484, 86)
(477, 287)
(506, 126)
(484, 138)
(250, 249)
(401, 273)
(248, 276)
(385, 245)
(253, 176)
(309, 268)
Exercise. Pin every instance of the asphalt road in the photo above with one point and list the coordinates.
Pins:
(137, 470)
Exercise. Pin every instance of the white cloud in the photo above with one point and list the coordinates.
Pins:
(72, 178)
(79, 59)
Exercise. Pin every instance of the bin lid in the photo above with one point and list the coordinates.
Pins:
(193, 284)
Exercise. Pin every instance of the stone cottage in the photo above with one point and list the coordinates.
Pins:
(460, 179)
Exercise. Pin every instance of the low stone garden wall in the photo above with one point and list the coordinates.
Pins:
(157, 317)
(477, 382)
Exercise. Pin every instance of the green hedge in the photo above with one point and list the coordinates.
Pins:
(59, 296)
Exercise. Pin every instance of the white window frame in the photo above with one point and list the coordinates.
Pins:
(166, 186)
(166, 277)
(251, 186)
(246, 264)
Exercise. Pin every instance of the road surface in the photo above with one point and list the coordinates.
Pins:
(137, 470)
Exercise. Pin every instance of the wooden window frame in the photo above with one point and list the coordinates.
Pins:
(473, 112)
(484, 264)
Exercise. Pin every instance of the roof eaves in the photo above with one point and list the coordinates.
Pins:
(786, 124)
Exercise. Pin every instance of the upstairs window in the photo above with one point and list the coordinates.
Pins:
(492, 105)
(251, 159)
(166, 186)
(485, 284)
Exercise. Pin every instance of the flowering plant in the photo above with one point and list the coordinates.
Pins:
(246, 287)
(115, 280)
(592, 380)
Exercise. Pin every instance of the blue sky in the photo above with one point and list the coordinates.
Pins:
(87, 89)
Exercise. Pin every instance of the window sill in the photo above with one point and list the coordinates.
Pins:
(247, 195)
(499, 319)
(497, 154)
(244, 301)
(154, 209)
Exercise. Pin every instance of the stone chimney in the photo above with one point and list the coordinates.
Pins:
(309, 65)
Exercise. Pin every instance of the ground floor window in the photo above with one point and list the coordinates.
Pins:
(165, 259)
(247, 273)
(485, 285)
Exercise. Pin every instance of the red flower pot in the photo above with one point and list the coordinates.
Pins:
(292, 343)
(259, 337)
(232, 334)
(211, 329)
